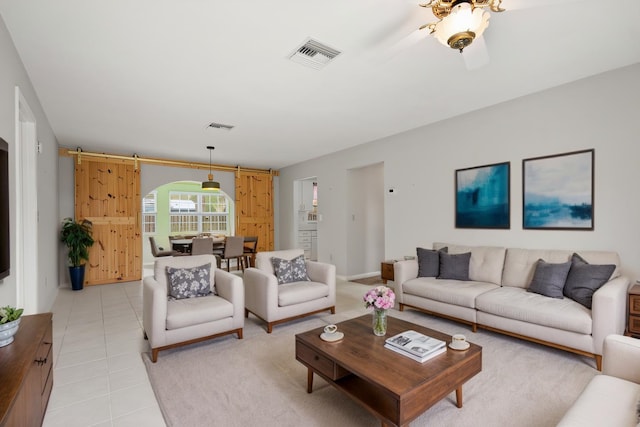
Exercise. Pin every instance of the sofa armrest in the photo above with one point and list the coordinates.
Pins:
(622, 358)
(609, 310)
(154, 311)
(261, 292)
(230, 287)
(403, 271)
(323, 273)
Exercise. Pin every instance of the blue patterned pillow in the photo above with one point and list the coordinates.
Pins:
(189, 282)
(290, 271)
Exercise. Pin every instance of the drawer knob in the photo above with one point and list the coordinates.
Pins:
(41, 361)
(316, 357)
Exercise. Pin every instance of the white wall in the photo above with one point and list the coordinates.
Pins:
(599, 112)
(12, 74)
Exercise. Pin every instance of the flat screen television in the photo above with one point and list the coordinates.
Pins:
(5, 244)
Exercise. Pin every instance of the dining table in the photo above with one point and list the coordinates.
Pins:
(184, 245)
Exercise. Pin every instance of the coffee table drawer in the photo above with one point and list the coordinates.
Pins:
(319, 363)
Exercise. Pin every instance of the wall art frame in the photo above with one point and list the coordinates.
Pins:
(558, 191)
(483, 195)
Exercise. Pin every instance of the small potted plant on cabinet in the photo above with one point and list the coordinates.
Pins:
(9, 323)
(77, 235)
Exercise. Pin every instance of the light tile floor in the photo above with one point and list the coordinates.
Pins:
(99, 377)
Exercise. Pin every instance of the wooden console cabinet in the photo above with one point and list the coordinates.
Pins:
(633, 325)
(386, 271)
(26, 373)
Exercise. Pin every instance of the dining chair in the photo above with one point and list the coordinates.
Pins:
(202, 246)
(234, 249)
(158, 251)
(250, 249)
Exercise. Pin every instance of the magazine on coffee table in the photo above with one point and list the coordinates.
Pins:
(423, 359)
(415, 343)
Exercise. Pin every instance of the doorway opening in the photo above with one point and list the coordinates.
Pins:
(305, 202)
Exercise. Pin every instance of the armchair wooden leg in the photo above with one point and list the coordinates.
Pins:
(599, 362)
(269, 327)
(240, 333)
(154, 355)
(333, 310)
(246, 313)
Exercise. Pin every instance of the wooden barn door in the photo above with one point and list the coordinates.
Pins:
(254, 207)
(108, 194)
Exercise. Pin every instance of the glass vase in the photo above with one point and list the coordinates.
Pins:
(379, 322)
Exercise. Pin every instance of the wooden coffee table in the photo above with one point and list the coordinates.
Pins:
(394, 388)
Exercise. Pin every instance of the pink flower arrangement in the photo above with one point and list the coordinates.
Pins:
(380, 298)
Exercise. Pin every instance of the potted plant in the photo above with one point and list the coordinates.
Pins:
(9, 323)
(77, 235)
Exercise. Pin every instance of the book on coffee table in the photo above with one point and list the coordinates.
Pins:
(415, 343)
(422, 359)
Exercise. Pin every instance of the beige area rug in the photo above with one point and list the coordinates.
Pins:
(256, 381)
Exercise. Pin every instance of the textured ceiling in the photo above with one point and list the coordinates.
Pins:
(148, 76)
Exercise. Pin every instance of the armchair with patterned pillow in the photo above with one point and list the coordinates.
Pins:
(188, 300)
(284, 286)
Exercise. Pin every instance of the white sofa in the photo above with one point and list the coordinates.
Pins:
(172, 323)
(610, 399)
(496, 298)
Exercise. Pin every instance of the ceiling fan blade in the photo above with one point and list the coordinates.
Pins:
(476, 55)
(525, 4)
(404, 43)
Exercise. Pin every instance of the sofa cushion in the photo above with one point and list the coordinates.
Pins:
(448, 291)
(520, 264)
(486, 262)
(429, 262)
(288, 271)
(548, 278)
(298, 292)
(584, 279)
(189, 282)
(516, 303)
(454, 267)
(194, 311)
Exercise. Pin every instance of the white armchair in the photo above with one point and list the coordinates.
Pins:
(172, 323)
(275, 303)
(611, 398)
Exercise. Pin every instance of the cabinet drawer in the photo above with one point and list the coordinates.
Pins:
(319, 363)
(305, 245)
(634, 304)
(304, 239)
(634, 324)
(304, 233)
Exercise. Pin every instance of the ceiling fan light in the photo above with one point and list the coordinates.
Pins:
(461, 26)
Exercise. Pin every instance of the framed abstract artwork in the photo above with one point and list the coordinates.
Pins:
(482, 196)
(557, 191)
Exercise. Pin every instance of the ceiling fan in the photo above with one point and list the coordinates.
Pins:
(460, 24)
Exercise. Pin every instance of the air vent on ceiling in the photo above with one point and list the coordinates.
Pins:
(314, 54)
(220, 126)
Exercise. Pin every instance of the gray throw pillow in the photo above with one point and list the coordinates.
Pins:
(454, 266)
(189, 282)
(548, 279)
(584, 279)
(290, 271)
(429, 261)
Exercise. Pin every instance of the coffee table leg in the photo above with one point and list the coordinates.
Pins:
(459, 397)
(309, 380)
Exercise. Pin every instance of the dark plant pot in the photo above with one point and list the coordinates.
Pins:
(77, 277)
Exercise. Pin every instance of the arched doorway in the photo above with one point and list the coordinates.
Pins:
(183, 208)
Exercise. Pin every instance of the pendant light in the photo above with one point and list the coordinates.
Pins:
(210, 184)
